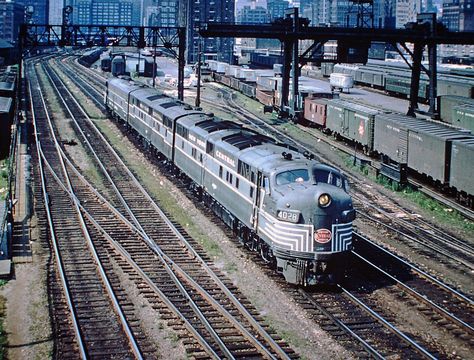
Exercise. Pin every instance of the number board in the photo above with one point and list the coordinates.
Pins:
(289, 215)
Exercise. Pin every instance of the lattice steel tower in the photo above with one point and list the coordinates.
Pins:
(361, 14)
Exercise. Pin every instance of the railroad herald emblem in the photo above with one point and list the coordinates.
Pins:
(361, 128)
(322, 236)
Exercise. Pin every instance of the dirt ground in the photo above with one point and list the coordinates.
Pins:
(27, 322)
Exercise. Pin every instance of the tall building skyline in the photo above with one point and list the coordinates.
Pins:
(106, 12)
(209, 11)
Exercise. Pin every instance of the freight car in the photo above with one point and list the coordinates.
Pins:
(447, 103)
(294, 211)
(315, 112)
(402, 142)
(90, 57)
(462, 175)
(463, 117)
(352, 121)
(425, 147)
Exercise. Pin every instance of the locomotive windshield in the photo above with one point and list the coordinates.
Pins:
(329, 177)
(292, 176)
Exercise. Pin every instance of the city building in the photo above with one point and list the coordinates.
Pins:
(13, 16)
(209, 11)
(276, 8)
(253, 15)
(458, 15)
(107, 12)
(162, 13)
(55, 12)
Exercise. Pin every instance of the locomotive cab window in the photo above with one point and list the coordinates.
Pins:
(292, 176)
(329, 177)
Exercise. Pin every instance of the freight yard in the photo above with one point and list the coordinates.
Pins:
(164, 209)
(408, 286)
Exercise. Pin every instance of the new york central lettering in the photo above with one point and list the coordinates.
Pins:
(224, 157)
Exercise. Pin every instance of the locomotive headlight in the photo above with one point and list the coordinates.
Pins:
(324, 200)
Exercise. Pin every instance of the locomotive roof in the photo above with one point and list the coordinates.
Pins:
(268, 157)
(125, 86)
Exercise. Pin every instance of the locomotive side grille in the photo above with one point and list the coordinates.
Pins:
(342, 237)
(295, 237)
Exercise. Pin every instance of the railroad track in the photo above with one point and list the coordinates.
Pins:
(210, 308)
(89, 319)
(389, 348)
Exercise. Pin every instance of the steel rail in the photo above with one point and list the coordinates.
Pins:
(389, 326)
(131, 262)
(342, 326)
(62, 275)
(434, 247)
(418, 270)
(103, 275)
(455, 243)
(222, 286)
(164, 257)
(182, 290)
(419, 296)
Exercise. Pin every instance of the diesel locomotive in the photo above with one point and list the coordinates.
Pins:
(294, 211)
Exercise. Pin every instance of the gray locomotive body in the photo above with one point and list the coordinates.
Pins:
(293, 210)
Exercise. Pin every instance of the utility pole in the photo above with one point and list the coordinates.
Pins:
(198, 71)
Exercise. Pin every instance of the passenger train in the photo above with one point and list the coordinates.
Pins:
(294, 211)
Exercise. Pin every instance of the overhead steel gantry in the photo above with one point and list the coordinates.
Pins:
(171, 38)
(425, 32)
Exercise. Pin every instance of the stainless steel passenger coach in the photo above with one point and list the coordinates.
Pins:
(294, 211)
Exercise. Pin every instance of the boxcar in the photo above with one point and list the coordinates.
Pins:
(352, 121)
(327, 68)
(463, 116)
(234, 83)
(461, 175)
(455, 87)
(429, 147)
(264, 96)
(447, 103)
(267, 82)
(315, 111)
(225, 80)
(247, 88)
(391, 136)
